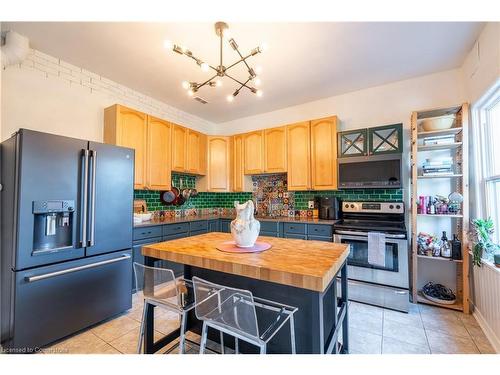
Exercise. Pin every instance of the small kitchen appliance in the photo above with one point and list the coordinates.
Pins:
(386, 284)
(328, 208)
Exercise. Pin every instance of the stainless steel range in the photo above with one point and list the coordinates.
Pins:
(383, 283)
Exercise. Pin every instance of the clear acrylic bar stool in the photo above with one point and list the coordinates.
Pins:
(233, 311)
(161, 288)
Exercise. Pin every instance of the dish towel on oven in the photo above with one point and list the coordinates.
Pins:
(376, 248)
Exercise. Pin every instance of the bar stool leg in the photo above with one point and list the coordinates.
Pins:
(222, 350)
(292, 334)
(263, 349)
(203, 342)
(236, 346)
(141, 332)
(182, 338)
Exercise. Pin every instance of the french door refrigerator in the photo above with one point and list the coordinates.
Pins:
(66, 228)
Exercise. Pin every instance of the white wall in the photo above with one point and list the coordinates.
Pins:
(386, 104)
(481, 68)
(46, 94)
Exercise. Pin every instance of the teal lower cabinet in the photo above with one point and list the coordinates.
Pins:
(225, 225)
(214, 225)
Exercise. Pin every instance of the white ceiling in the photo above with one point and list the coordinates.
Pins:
(305, 61)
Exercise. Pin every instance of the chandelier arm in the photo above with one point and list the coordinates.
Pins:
(221, 36)
(241, 83)
(204, 83)
(237, 62)
(241, 56)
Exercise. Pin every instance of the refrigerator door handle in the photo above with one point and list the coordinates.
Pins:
(93, 158)
(85, 185)
(31, 279)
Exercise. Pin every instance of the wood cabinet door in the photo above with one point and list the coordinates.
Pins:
(131, 131)
(218, 160)
(179, 148)
(238, 163)
(159, 154)
(275, 154)
(253, 148)
(299, 156)
(194, 152)
(324, 153)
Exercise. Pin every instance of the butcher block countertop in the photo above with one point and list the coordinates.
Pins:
(299, 263)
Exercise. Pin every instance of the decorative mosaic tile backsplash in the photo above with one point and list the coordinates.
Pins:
(269, 192)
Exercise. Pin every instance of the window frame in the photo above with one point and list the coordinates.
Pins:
(483, 155)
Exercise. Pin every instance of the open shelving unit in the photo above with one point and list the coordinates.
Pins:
(460, 221)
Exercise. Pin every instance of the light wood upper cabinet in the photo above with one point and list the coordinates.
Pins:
(128, 128)
(196, 152)
(324, 153)
(179, 148)
(238, 174)
(218, 163)
(253, 148)
(158, 154)
(299, 156)
(275, 154)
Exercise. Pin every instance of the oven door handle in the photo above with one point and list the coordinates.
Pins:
(365, 234)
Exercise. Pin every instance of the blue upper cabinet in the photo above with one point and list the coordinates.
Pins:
(385, 139)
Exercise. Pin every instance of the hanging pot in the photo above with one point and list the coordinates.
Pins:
(167, 197)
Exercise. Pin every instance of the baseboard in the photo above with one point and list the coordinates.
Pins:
(490, 335)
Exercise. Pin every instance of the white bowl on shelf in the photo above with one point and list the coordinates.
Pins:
(438, 123)
(140, 217)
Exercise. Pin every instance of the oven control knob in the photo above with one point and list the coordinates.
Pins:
(352, 206)
(346, 206)
(398, 206)
(391, 206)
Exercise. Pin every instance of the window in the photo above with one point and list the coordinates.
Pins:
(487, 154)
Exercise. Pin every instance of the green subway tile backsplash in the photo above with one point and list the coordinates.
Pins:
(275, 185)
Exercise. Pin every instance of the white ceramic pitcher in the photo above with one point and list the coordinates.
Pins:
(245, 228)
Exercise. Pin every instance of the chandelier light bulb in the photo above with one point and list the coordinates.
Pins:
(264, 47)
(168, 44)
(190, 92)
(257, 81)
(218, 83)
(227, 34)
(230, 98)
(204, 67)
(184, 49)
(259, 93)
(258, 69)
(185, 85)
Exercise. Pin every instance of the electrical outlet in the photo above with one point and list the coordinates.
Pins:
(310, 204)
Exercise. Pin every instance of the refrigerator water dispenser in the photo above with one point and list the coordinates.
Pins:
(53, 229)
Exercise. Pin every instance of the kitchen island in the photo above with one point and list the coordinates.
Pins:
(295, 272)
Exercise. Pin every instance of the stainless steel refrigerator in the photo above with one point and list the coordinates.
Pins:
(66, 236)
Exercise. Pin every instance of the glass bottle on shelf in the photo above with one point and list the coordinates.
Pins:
(445, 246)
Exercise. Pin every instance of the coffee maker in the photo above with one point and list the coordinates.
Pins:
(328, 208)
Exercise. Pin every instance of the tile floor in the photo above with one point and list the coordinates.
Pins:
(373, 330)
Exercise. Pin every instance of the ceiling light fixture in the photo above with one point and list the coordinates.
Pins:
(222, 31)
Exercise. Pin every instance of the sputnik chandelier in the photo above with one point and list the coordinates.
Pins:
(220, 71)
